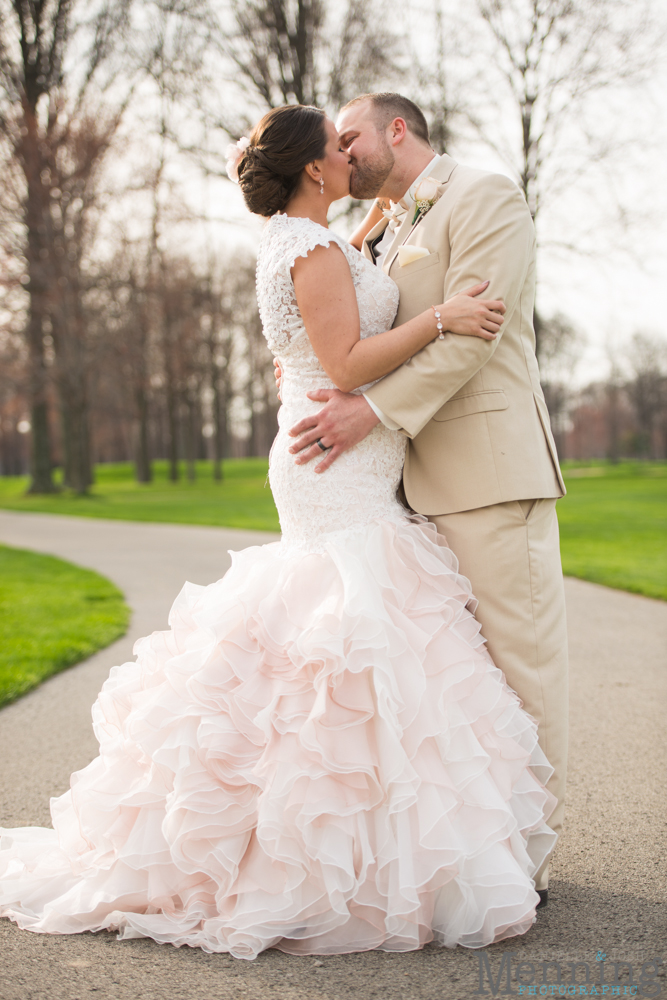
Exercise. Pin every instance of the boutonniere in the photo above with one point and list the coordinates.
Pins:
(426, 192)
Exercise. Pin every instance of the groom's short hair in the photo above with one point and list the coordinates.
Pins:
(387, 106)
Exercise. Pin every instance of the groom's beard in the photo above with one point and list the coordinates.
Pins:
(369, 176)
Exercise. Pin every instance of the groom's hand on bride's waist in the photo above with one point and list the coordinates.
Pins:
(343, 421)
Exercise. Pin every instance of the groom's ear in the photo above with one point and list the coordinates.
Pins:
(397, 131)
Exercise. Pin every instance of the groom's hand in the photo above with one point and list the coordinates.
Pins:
(343, 422)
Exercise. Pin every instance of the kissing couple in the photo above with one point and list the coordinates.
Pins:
(356, 738)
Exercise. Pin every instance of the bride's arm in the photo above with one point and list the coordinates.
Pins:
(371, 219)
(328, 304)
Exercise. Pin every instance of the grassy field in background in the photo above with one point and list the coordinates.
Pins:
(52, 615)
(613, 520)
(613, 525)
(241, 500)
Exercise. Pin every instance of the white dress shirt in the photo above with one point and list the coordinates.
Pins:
(407, 202)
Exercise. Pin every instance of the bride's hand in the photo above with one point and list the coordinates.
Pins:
(470, 316)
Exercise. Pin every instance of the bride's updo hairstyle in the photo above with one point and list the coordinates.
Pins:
(281, 145)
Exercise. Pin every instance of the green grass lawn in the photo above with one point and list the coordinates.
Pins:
(52, 615)
(613, 520)
(613, 525)
(241, 500)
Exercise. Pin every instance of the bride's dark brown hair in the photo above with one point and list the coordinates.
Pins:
(281, 145)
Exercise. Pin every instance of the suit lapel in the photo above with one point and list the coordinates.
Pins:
(442, 171)
(400, 236)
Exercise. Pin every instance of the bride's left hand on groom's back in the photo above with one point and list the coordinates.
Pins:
(343, 422)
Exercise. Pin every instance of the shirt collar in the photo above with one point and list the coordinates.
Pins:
(407, 201)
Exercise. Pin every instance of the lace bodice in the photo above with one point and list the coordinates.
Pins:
(283, 241)
(361, 485)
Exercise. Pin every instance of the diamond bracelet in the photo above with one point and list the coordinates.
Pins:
(438, 323)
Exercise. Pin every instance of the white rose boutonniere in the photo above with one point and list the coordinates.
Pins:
(426, 192)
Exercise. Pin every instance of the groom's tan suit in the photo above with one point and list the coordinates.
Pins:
(481, 462)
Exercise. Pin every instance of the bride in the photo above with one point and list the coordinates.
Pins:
(320, 755)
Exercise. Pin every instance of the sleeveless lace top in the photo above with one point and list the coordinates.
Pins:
(360, 487)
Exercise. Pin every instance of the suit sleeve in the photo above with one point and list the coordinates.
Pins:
(491, 237)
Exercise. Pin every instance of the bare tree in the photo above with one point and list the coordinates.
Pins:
(559, 355)
(273, 48)
(45, 130)
(300, 51)
(121, 316)
(614, 404)
(218, 309)
(261, 397)
(553, 56)
(439, 108)
(170, 53)
(549, 62)
(13, 424)
(435, 77)
(73, 178)
(647, 387)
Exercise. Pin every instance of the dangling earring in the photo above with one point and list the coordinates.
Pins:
(321, 185)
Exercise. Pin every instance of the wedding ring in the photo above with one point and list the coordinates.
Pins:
(320, 445)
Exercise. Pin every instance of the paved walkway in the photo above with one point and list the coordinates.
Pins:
(609, 880)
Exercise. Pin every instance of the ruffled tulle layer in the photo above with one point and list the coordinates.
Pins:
(319, 756)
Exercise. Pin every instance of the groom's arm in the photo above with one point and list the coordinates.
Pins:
(491, 237)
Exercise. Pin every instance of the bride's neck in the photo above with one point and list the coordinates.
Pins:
(307, 205)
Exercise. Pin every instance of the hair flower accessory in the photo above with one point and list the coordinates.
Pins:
(235, 151)
(425, 194)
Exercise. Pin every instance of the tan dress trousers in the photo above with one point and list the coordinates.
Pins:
(510, 553)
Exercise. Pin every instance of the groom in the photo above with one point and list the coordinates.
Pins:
(481, 461)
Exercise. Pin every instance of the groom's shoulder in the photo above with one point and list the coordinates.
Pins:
(464, 177)
(473, 193)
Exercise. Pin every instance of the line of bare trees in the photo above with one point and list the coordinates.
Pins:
(624, 414)
(175, 367)
(116, 340)
(118, 335)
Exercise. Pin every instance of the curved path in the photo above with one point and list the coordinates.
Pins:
(609, 879)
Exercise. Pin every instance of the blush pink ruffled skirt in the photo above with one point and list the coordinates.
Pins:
(319, 756)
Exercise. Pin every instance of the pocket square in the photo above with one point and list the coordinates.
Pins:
(407, 254)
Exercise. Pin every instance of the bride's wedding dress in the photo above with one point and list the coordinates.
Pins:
(319, 755)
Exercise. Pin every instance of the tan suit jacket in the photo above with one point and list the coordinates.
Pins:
(473, 409)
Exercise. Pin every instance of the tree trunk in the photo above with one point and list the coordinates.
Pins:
(220, 436)
(77, 468)
(41, 476)
(66, 434)
(69, 339)
(142, 462)
(190, 439)
(40, 462)
(172, 430)
(613, 429)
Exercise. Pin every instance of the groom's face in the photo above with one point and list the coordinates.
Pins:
(371, 157)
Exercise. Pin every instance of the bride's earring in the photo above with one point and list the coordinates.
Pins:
(321, 185)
